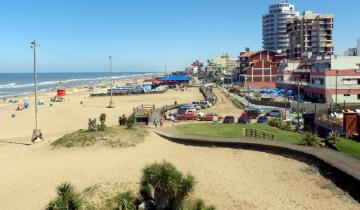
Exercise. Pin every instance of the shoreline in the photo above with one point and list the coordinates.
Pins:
(87, 82)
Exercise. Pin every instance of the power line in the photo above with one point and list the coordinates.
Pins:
(77, 57)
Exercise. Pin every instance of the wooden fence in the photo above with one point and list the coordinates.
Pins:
(250, 132)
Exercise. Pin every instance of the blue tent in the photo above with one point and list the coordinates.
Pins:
(179, 78)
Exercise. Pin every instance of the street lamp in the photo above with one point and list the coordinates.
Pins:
(111, 103)
(37, 135)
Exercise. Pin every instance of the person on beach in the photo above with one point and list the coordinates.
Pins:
(161, 122)
(155, 123)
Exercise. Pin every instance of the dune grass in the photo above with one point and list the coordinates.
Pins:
(347, 146)
(113, 136)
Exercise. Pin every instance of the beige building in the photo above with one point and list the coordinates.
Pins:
(225, 62)
(310, 34)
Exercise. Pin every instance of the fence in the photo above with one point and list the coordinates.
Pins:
(250, 132)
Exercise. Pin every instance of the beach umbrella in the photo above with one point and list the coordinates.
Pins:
(41, 102)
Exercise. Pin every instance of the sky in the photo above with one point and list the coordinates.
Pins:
(144, 35)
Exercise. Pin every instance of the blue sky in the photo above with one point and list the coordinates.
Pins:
(144, 35)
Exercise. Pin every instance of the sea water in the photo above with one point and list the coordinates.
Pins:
(14, 84)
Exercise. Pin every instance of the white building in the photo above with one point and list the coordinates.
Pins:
(275, 37)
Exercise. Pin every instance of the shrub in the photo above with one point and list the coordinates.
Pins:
(122, 120)
(66, 198)
(102, 125)
(309, 139)
(92, 125)
(331, 139)
(130, 122)
(122, 201)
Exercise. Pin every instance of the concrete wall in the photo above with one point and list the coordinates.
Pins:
(345, 62)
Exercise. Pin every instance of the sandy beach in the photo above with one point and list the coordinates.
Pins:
(227, 178)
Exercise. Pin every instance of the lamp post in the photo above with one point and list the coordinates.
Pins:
(298, 102)
(37, 135)
(111, 103)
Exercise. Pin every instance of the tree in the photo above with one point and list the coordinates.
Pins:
(66, 198)
(169, 186)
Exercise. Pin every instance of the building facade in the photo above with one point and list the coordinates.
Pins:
(327, 78)
(275, 37)
(262, 70)
(310, 33)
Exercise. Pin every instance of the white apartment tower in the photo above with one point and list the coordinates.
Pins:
(275, 37)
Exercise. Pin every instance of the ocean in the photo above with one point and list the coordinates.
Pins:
(14, 84)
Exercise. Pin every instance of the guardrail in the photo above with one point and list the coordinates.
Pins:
(250, 132)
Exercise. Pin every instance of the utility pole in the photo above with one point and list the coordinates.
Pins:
(111, 103)
(37, 135)
(298, 102)
(165, 71)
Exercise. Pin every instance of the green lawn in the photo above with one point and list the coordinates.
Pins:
(236, 131)
(348, 146)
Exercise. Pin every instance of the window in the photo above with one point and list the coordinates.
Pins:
(358, 81)
(321, 81)
(358, 96)
(346, 94)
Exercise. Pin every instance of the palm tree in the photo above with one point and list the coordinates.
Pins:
(169, 186)
(66, 198)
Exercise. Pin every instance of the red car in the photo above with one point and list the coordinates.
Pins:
(210, 117)
(187, 116)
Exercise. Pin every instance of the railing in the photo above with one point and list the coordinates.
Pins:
(250, 132)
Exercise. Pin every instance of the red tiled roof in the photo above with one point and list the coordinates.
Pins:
(247, 54)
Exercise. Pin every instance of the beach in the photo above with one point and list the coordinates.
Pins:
(227, 178)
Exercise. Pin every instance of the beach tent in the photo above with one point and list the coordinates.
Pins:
(13, 100)
(26, 104)
(41, 102)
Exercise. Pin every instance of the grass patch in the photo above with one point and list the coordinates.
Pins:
(311, 170)
(348, 146)
(236, 131)
(113, 136)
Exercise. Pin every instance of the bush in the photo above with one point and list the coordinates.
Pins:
(122, 120)
(130, 122)
(66, 198)
(331, 139)
(92, 125)
(122, 201)
(102, 125)
(309, 139)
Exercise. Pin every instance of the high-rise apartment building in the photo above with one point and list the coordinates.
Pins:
(274, 23)
(310, 34)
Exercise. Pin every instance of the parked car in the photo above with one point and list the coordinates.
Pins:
(205, 104)
(252, 113)
(262, 119)
(275, 113)
(187, 116)
(196, 104)
(243, 120)
(211, 117)
(296, 120)
(229, 119)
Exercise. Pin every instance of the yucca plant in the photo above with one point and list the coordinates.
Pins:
(66, 198)
(102, 125)
(169, 186)
(92, 125)
(331, 139)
